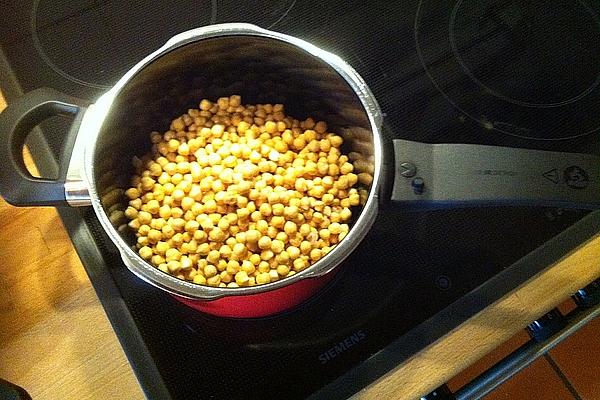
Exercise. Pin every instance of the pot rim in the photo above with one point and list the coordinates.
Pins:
(97, 113)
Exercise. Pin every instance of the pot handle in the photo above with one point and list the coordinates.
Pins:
(17, 185)
(438, 176)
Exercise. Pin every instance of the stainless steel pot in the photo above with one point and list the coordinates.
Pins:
(265, 66)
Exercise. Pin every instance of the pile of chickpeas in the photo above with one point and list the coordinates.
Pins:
(239, 195)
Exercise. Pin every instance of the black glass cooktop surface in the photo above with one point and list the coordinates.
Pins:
(511, 73)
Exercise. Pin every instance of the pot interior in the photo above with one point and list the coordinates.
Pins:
(260, 69)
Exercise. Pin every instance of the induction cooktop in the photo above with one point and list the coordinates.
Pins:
(510, 73)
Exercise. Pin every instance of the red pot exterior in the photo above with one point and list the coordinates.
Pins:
(261, 304)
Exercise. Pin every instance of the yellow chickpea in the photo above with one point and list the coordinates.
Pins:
(144, 217)
(293, 252)
(216, 235)
(154, 236)
(264, 242)
(157, 259)
(335, 228)
(278, 222)
(210, 271)
(265, 209)
(263, 266)
(263, 278)
(252, 235)
(283, 257)
(132, 193)
(213, 256)
(277, 246)
(241, 278)
(300, 264)
(254, 259)
(290, 228)
(145, 252)
(233, 267)
(278, 209)
(248, 267)
(239, 249)
(305, 247)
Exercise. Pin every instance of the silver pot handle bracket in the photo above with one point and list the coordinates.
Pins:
(434, 176)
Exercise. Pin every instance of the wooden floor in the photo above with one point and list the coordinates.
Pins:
(55, 340)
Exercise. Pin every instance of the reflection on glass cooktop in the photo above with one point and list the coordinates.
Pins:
(120, 34)
(505, 72)
(528, 69)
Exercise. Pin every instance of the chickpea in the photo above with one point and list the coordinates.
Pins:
(272, 232)
(144, 217)
(223, 224)
(290, 228)
(158, 259)
(221, 265)
(293, 252)
(164, 211)
(177, 239)
(252, 235)
(265, 209)
(131, 212)
(213, 256)
(282, 236)
(225, 277)
(187, 203)
(191, 226)
(174, 266)
(242, 190)
(172, 254)
(300, 264)
(132, 193)
(216, 235)
(264, 242)
(241, 278)
(365, 178)
(162, 247)
(239, 249)
(263, 278)
(145, 252)
(233, 267)
(154, 236)
(178, 224)
(278, 209)
(277, 246)
(273, 275)
(136, 203)
(266, 255)
(176, 212)
(316, 254)
(240, 237)
(335, 228)
(262, 226)
(283, 270)
(254, 259)
(210, 271)
(205, 223)
(200, 236)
